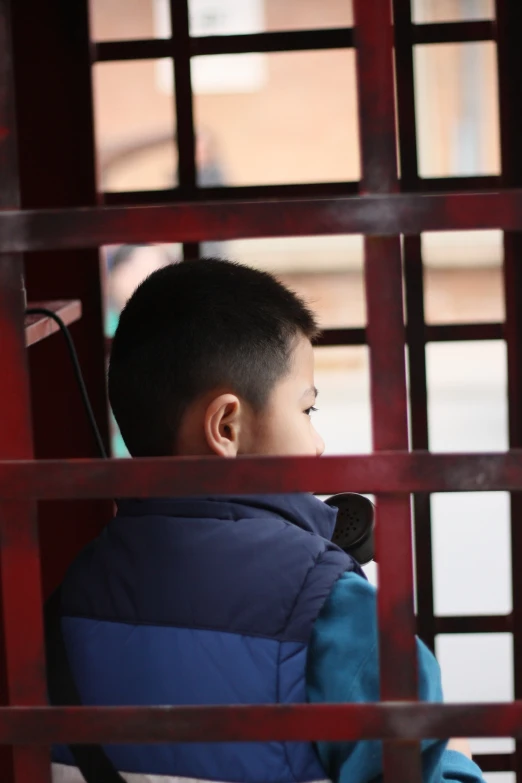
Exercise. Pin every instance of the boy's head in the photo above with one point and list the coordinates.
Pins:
(211, 357)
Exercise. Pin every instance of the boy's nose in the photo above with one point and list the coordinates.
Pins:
(319, 444)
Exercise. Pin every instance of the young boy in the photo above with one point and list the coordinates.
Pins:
(225, 600)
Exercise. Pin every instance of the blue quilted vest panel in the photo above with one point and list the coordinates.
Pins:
(203, 601)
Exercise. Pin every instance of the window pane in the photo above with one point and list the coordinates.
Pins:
(228, 17)
(464, 660)
(465, 657)
(134, 127)
(127, 20)
(467, 396)
(463, 276)
(344, 417)
(471, 537)
(278, 118)
(463, 295)
(326, 271)
(307, 14)
(499, 777)
(457, 109)
(451, 10)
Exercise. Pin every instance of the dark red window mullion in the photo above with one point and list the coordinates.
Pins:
(303, 190)
(416, 327)
(285, 41)
(19, 551)
(393, 472)
(386, 337)
(509, 24)
(185, 136)
(377, 214)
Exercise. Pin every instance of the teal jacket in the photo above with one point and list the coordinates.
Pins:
(343, 666)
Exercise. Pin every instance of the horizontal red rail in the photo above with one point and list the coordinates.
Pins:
(495, 762)
(297, 190)
(373, 215)
(433, 333)
(306, 722)
(480, 623)
(277, 41)
(385, 472)
(285, 41)
(453, 32)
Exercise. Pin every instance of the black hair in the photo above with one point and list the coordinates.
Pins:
(193, 327)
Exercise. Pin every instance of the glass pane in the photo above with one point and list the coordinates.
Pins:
(463, 295)
(278, 118)
(464, 659)
(451, 10)
(344, 416)
(499, 777)
(457, 109)
(467, 396)
(463, 276)
(307, 14)
(121, 20)
(229, 17)
(326, 271)
(468, 528)
(135, 129)
(127, 20)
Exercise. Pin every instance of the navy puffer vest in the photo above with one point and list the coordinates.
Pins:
(203, 601)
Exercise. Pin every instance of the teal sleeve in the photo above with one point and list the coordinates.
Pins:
(343, 666)
(111, 322)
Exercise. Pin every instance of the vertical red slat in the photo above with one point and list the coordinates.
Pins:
(509, 25)
(179, 14)
(416, 330)
(19, 550)
(386, 340)
(57, 170)
(414, 284)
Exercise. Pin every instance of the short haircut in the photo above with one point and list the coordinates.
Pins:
(193, 327)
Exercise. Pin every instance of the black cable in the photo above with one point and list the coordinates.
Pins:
(77, 371)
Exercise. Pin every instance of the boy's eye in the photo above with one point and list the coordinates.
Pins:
(311, 410)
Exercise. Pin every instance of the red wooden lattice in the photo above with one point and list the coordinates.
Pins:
(50, 212)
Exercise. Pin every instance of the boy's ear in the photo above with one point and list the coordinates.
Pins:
(222, 425)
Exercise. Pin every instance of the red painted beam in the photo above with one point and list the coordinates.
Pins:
(184, 134)
(433, 333)
(327, 722)
(391, 473)
(284, 41)
(313, 190)
(453, 32)
(22, 653)
(417, 333)
(373, 215)
(274, 41)
(509, 60)
(389, 402)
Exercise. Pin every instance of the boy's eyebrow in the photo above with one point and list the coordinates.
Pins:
(312, 390)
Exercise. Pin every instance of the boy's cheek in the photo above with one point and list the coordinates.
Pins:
(290, 435)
